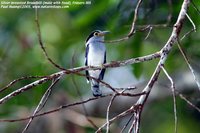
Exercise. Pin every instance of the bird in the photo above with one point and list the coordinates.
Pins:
(95, 55)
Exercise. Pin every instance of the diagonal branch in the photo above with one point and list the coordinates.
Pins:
(165, 50)
(174, 98)
(19, 79)
(108, 111)
(189, 65)
(54, 110)
(132, 30)
(121, 115)
(76, 71)
(134, 19)
(164, 54)
(41, 42)
(70, 105)
(188, 102)
(41, 103)
(144, 27)
(195, 7)
(127, 123)
(80, 96)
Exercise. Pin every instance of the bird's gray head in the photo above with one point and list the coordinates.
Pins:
(96, 35)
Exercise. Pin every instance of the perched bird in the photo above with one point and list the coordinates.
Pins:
(95, 55)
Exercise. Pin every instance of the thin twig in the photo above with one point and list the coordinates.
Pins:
(54, 110)
(123, 114)
(189, 65)
(79, 69)
(151, 26)
(137, 108)
(108, 111)
(41, 103)
(164, 54)
(195, 7)
(127, 123)
(80, 96)
(83, 105)
(29, 86)
(19, 79)
(174, 99)
(186, 34)
(132, 29)
(144, 27)
(165, 51)
(150, 29)
(190, 103)
(169, 18)
(64, 107)
(135, 18)
(192, 30)
(133, 124)
(41, 42)
(194, 26)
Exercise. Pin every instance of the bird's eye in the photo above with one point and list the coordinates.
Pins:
(96, 33)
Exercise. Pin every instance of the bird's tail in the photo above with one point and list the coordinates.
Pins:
(95, 88)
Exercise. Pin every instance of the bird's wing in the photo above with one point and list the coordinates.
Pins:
(103, 70)
(104, 57)
(86, 61)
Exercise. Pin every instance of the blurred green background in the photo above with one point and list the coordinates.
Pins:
(64, 32)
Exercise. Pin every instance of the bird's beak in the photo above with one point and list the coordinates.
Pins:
(103, 33)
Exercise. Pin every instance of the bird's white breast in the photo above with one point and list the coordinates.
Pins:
(96, 54)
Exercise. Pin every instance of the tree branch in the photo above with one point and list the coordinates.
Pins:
(132, 30)
(174, 98)
(165, 50)
(108, 111)
(41, 42)
(19, 79)
(76, 71)
(164, 54)
(41, 103)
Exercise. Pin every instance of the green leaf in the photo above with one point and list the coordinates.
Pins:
(137, 49)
